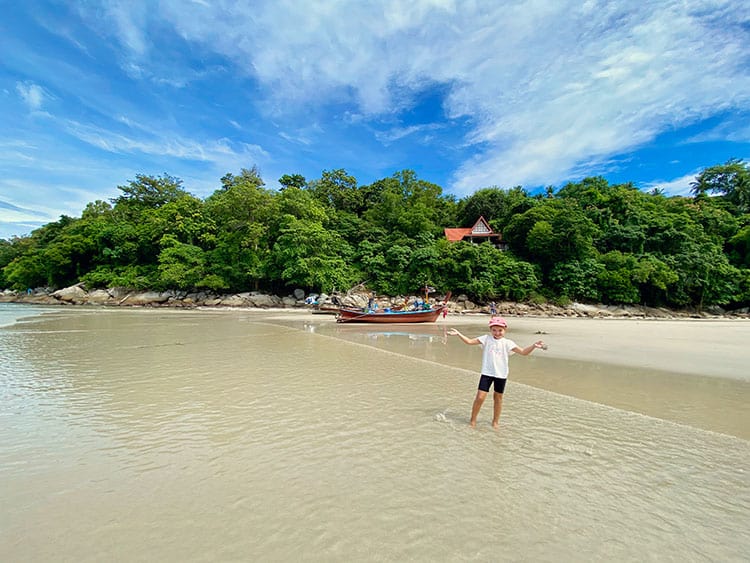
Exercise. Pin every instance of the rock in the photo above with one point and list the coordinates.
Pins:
(8, 296)
(588, 310)
(74, 294)
(234, 301)
(264, 301)
(146, 298)
(100, 297)
(299, 294)
(289, 301)
(119, 293)
(195, 298)
(43, 299)
(355, 301)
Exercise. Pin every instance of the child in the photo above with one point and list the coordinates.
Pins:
(495, 352)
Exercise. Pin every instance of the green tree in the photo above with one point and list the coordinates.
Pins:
(705, 277)
(552, 232)
(148, 192)
(730, 180)
(308, 255)
(337, 189)
(495, 204)
(653, 278)
(739, 248)
(244, 212)
(577, 279)
(615, 282)
(292, 181)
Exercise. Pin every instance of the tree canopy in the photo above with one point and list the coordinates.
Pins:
(589, 241)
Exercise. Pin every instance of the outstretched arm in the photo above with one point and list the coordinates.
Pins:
(472, 341)
(530, 348)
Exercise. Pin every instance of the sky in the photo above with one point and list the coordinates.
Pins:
(469, 94)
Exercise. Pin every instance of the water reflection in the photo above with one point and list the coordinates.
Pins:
(705, 401)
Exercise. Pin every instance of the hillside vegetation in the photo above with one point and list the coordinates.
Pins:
(589, 241)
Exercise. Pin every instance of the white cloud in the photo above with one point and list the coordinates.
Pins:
(551, 90)
(550, 87)
(130, 19)
(17, 207)
(32, 94)
(219, 152)
(678, 186)
(396, 133)
(726, 131)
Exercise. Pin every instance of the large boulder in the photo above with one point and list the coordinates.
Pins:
(264, 301)
(8, 296)
(74, 294)
(119, 293)
(146, 298)
(233, 301)
(99, 297)
(355, 301)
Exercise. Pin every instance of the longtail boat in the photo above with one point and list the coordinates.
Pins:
(359, 316)
(389, 316)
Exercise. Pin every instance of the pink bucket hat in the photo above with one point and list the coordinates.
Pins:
(498, 321)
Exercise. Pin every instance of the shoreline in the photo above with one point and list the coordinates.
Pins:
(704, 346)
(697, 365)
(461, 305)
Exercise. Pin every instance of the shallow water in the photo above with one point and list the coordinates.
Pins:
(711, 401)
(234, 435)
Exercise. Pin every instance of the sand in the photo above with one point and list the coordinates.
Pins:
(715, 347)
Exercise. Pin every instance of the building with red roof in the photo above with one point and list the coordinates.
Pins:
(480, 232)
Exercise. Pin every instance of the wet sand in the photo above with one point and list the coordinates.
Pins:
(716, 347)
(153, 434)
(700, 347)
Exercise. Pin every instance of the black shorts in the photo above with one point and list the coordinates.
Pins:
(485, 382)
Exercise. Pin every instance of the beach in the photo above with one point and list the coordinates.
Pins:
(273, 435)
(692, 346)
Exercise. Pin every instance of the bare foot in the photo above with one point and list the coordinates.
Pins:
(496, 425)
(473, 423)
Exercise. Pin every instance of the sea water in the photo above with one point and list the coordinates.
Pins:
(233, 435)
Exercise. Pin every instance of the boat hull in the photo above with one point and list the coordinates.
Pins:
(357, 316)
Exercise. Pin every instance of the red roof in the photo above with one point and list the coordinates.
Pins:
(480, 229)
(454, 235)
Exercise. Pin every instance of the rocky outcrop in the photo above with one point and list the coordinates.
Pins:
(122, 297)
(74, 294)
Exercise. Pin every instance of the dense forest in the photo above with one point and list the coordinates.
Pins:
(589, 241)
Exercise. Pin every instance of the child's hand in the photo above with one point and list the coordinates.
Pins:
(452, 332)
(540, 344)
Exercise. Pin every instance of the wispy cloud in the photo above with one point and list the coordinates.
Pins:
(547, 85)
(726, 131)
(678, 186)
(16, 217)
(488, 93)
(9, 207)
(216, 151)
(32, 94)
(396, 133)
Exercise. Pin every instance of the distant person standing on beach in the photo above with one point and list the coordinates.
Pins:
(495, 353)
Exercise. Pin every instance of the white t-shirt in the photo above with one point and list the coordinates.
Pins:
(495, 355)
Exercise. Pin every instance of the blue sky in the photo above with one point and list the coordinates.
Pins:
(469, 94)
